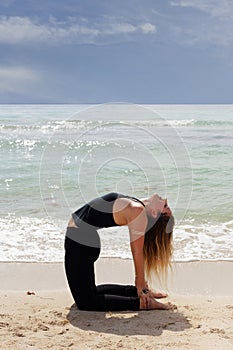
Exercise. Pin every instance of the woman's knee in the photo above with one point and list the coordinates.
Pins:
(85, 304)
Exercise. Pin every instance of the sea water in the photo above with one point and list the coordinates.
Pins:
(54, 158)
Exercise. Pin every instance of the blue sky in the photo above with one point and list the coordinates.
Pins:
(98, 51)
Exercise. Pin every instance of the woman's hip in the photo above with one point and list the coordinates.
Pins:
(84, 242)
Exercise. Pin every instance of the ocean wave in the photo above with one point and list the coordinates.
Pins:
(82, 124)
(213, 123)
(40, 239)
(181, 123)
(31, 239)
(57, 126)
(159, 123)
(50, 125)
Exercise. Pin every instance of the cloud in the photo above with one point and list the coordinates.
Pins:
(215, 8)
(17, 79)
(148, 28)
(24, 30)
(117, 28)
(215, 27)
(15, 30)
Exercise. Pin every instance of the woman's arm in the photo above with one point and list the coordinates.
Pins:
(137, 227)
(137, 252)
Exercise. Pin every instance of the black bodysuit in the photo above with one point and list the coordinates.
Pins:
(82, 249)
(99, 212)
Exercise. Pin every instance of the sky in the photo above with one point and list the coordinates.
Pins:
(100, 51)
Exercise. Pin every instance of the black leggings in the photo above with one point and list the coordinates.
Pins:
(79, 267)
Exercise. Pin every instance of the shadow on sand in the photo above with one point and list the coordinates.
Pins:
(151, 322)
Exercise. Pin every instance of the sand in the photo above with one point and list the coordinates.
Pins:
(37, 310)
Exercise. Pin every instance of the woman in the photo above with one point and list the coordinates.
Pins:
(150, 223)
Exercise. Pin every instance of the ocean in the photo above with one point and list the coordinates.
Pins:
(54, 158)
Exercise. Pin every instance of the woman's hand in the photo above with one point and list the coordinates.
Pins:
(145, 295)
(145, 298)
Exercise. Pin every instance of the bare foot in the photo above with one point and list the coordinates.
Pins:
(154, 304)
(157, 305)
(158, 295)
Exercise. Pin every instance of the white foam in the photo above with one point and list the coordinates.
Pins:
(204, 241)
(161, 122)
(35, 239)
(31, 239)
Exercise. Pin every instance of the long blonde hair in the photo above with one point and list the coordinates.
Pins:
(157, 247)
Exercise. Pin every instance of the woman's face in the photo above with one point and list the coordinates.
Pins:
(166, 210)
(157, 205)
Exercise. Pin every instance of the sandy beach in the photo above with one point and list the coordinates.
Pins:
(37, 310)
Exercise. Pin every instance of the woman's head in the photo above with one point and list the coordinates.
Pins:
(155, 205)
(158, 237)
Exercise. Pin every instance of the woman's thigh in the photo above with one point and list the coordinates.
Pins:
(79, 267)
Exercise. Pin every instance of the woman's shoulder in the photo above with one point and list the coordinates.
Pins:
(126, 211)
(131, 208)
